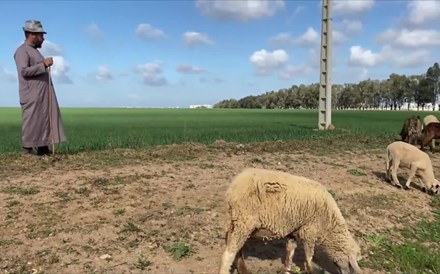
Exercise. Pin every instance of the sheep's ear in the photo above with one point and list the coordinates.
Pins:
(354, 264)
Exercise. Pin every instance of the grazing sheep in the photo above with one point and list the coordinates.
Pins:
(430, 133)
(419, 162)
(411, 130)
(275, 205)
(426, 121)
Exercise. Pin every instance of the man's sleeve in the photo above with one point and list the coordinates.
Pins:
(22, 61)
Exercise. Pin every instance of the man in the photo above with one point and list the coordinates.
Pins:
(41, 118)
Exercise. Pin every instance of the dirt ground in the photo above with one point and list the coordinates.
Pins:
(87, 214)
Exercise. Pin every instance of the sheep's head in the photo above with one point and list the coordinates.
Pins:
(346, 261)
(348, 265)
(435, 187)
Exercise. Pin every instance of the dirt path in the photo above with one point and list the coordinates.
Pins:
(119, 219)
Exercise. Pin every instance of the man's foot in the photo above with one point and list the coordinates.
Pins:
(41, 151)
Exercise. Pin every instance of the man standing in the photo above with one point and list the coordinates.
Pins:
(41, 118)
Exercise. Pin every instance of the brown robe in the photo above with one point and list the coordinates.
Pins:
(37, 100)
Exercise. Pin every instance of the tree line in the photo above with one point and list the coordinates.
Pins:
(396, 92)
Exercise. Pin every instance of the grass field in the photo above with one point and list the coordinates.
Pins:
(100, 129)
(92, 208)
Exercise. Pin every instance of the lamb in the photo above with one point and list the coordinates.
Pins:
(419, 162)
(275, 205)
(426, 121)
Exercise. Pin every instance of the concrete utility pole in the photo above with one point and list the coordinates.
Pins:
(325, 85)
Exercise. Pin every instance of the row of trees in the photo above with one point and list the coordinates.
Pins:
(396, 92)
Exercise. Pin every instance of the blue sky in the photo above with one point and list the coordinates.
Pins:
(180, 53)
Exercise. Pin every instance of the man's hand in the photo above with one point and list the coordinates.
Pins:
(48, 62)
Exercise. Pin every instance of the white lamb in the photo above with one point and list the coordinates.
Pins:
(430, 119)
(419, 162)
(274, 205)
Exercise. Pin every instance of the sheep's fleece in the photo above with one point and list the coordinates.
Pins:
(286, 204)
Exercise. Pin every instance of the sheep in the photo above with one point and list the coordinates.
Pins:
(411, 130)
(430, 119)
(419, 162)
(430, 133)
(275, 205)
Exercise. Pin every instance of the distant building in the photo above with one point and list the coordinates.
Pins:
(200, 106)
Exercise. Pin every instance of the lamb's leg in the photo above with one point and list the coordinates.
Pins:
(290, 252)
(235, 240)
(412, 173)
(394, 168)
(387, 167)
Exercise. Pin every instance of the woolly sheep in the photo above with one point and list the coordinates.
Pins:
(275, 205)
(411, 129)
(430, 119)
(419, 162)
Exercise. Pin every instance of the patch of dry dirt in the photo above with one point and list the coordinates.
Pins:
(68, 219)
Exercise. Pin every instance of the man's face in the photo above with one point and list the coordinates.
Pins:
(38, 39)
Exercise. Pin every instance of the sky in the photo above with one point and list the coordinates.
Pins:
(190, 52)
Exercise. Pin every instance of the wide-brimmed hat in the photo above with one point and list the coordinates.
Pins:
(33, 26)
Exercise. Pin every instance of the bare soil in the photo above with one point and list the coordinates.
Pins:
(115, 211)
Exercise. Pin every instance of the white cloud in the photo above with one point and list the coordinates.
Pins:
(308, 38)
(59, 70)
(265, 61)
(94, 33)
(151, 73)
(147, 32)
(399, 58)
(188, 69)
(292, 72)
(243, 10)
(51, 49)
(192, 38)
(410, 38)
(351, 26)
(363, 57)
(104, 73)
(421, 12)
(387, 56)
(155, 67)
(155, 80)
(347, 7)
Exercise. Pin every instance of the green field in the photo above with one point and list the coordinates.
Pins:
(99, 129)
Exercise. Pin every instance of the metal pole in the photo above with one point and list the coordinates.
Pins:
(325, 86)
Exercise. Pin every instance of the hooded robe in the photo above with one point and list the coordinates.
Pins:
(37, 100)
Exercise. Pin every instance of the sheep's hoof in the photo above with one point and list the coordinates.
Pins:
(424, 189)
(406, 188)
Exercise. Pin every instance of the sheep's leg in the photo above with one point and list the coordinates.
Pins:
(394, 168)
(387, 167)
(239, 262)
(235, 240)
(309, 250)
(412, 173)
(290, 252)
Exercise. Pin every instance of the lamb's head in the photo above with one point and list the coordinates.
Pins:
(434, 189)
(346, 258)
